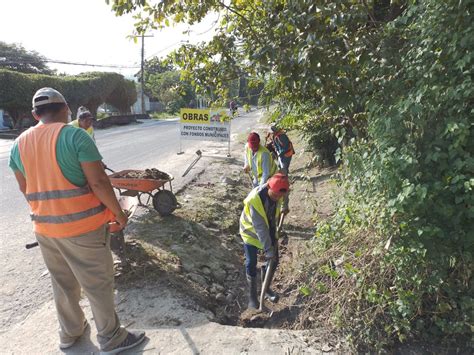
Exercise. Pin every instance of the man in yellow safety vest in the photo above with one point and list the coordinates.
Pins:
(84, 121)
(258, 161)
(258, 229)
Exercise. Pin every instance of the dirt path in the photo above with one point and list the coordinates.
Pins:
(184, 281)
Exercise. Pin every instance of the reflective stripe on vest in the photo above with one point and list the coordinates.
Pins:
(58, 207)
(261, 150)
(51, 195)
(72, 217)
(246, 228)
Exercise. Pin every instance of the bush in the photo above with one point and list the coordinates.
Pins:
(88, 89)
(397, 260)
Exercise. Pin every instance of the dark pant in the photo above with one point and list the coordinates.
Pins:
(251, 253)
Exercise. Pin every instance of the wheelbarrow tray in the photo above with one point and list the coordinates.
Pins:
(135, 184)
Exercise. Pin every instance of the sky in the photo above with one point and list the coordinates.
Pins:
(87, 31)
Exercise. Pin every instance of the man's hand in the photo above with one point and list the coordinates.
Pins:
(285, 211)
(100, 184)
(246, 169)
(121, 219)
(270, 253)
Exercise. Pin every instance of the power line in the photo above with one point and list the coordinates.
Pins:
(164, 49)
(69, 63)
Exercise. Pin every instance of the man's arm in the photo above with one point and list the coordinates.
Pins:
(246, 162)
(263, 233)
(20, 178)
(100, 185)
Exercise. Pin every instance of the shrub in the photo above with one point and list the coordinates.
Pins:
(404, 228)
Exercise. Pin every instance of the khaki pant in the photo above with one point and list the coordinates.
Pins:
(83, 261)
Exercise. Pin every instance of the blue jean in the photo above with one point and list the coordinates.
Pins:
(251, 253)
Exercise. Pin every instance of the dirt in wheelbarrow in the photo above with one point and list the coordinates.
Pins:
(152, 173)
(198, 253)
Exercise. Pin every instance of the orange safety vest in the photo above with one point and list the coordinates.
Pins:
(58, 208)
(291, 151)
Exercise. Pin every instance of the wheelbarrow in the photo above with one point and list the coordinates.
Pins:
(164, 201)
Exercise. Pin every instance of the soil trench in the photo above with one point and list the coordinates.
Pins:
(198, 252)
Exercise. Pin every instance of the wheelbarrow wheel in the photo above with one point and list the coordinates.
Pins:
(165, 202)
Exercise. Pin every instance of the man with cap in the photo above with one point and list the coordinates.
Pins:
(258, 160)
(60, 173)
(283, 148)
(84, 121)
(258, 229)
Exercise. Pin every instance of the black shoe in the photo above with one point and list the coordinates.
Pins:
(272, 296)
(133, 339)
(253, 299)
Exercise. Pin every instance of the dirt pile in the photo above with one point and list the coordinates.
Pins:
(152, 173)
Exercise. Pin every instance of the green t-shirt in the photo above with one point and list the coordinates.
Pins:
(73, 147)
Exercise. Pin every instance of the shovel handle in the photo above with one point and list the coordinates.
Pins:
(266, 283)
(31, 245)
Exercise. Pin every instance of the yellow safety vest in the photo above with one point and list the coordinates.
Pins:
(90, 130)
(261, 150)
(247, 230)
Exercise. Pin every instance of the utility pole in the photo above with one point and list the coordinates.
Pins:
(142, 76)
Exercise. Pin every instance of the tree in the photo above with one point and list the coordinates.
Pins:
(15, 57)
(170, 90)
(88, 89)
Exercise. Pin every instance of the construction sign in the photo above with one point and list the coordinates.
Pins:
(205, 124)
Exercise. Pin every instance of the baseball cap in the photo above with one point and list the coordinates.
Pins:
(279, 182)
(46, 96)
(83, 112)
(274, 127)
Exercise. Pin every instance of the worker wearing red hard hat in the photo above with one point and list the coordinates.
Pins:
(258, 229)
(258, 160)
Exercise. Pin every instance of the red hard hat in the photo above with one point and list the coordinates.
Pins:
(279, 182)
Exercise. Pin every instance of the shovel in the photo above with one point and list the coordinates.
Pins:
(194, 162)
(280, 224)
(266, 283)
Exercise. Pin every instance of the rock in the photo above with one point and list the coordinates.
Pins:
(326, 348)
(230, 297)
(220, 297)
(191, 238)
(216, 288)
(228, 181)
(220, 274)
(198, 279)
(206, 270)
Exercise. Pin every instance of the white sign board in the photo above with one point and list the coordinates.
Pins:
(205, 125)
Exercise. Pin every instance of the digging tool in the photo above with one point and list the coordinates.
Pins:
(194, 162)
(266, 283)
(280, 223)
(250, 178)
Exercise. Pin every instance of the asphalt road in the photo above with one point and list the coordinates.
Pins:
(24, 283)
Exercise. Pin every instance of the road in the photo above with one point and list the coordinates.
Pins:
(25, 284)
